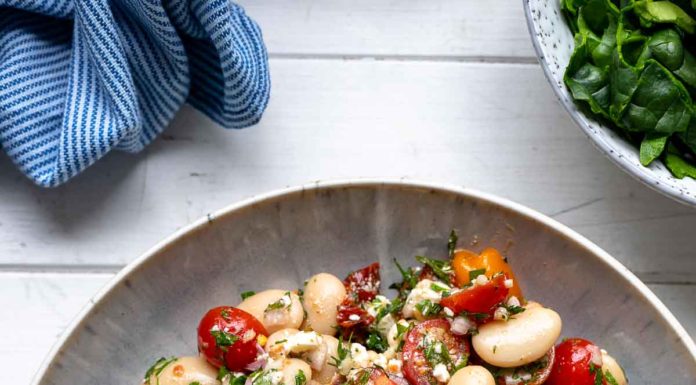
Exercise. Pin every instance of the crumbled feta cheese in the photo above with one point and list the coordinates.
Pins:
(354, 317)
(302, 342)
(461, 325)
(378, 359)
(508, 283)
(513, 301)
(481, 279)
(448, 312)
(276, 377)
(440, 372)
(394, 366)
(273, 364)
(423, 291)
(359, 354)
(376, 305)
(501, 314)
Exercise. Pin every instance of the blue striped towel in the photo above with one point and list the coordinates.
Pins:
(79, 78)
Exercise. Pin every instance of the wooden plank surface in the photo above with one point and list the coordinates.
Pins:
(497, 128)
(445, 29)
(42, 305)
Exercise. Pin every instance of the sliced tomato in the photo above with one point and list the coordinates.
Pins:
(363, 285)
(453, 351)
(478, 299)
(464, 262)
(351, 316)
(227, 336)
(578, 362)
(535, 373)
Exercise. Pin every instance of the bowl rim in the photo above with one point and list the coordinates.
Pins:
(375, 183)
(639, 173)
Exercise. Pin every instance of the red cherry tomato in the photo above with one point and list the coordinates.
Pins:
(363, 285)
(575, 363)
(422, 342)
(480, 299)
(228, 336)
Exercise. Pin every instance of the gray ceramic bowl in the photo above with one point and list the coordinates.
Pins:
(153, 306)
(553, 43)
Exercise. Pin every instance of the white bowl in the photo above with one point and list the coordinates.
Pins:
(553, 43)
(151, 309)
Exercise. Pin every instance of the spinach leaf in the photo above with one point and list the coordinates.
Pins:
(660, 12)
(660, 103)
(677, 165)
(651, 147)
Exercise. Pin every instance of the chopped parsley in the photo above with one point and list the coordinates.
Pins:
(281, 341)
(194, 383)
(283, 302)
(364, 377)
(409, 278)
(157, 368)
(375, 342)
(341, 351)
(263, 377)
(513, 309)
(401, 331)
(452, 243)
(600, 377)
(223, 339)
(428, 308)
(475, 316)
(222, 373)
(300, 378)
(247, 294)
(475, 273)
(441, 268)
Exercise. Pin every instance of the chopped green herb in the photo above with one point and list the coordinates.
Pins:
(247, 294)
(263, 377)
(281, 341)
(158, 367)
(610, 378)
(475, 273)
(514, 309)
(476, 316)
(364, 377)
(452, 243)
(436, 352)
(495, 347)
(223, 339)
(377, 343)
(442, 269)
(428, 308)
(300, 378)
(409, 277)
(439, 288)
(282, 303)
(222, 372)
(194, 383)
(342, 352)
(225, 313)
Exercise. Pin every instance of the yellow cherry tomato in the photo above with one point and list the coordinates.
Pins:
(466, 261)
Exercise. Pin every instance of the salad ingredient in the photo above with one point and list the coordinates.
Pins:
(229, 337)
(633, 66)
(182, 371)
(276, 309)
(578, 362)
(431, 347)
(610, 365)
(322, 295)
(520, 340)
(466, 264)
(472, 375)
(481, 299)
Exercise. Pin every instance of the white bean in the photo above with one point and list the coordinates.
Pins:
(292, 367)
(287, 316)
(326, 373)
(185, 371)
(612, 366)
(472, 375)
(322, 295)
(273, 346)
(523, 339)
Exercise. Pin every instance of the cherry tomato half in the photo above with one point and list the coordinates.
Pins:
(431, 342)
(465, 261)
(480, 299)
(228, 336)
(575, 363)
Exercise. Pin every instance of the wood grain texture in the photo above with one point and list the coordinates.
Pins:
(496, 128)
(42, 306)
(446, 29)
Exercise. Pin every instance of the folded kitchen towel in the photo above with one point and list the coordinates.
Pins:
(79, 78)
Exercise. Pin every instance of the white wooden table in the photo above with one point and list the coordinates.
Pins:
(438, 90)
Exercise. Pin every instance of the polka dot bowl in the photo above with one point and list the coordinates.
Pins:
(553, 42)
